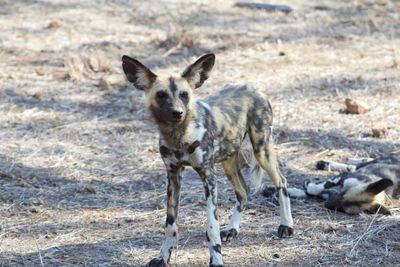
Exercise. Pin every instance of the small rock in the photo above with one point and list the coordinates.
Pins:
(356, 107)
(276, 256)
(55, 23)
(379, 132)
(110, 81)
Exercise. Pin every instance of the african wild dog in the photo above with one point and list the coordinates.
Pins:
(202, 133)
(360, 187)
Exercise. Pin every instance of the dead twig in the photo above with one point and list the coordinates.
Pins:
(361, 237)
(40, 255)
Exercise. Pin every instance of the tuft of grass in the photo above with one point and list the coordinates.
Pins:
(83, 66)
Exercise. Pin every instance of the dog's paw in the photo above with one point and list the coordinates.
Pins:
(157, 262)
(285, 231)
(228, 234)
(322, 165)
(268, 191)
(385, 211)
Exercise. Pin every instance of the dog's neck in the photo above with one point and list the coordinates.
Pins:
(173, 133)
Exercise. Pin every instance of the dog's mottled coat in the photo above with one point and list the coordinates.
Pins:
(359, 187)
(205, 132)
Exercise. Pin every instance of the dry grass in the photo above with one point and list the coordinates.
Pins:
(81, 182)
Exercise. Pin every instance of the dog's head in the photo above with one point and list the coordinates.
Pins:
(360, 197)
(170, 98)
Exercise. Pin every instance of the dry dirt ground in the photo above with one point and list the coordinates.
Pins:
(81, 181)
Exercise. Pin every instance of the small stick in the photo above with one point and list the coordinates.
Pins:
(267, 7)
(322, 153)
(365, 233)
(40, 255)
(173, 49)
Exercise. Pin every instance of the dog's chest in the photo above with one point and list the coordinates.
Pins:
(189, 155)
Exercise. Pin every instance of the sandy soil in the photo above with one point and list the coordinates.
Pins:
(81, 181)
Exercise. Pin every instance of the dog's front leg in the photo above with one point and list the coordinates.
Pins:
(213, 233)
(173, 191)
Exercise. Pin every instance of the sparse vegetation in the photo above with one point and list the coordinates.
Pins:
(81, 181)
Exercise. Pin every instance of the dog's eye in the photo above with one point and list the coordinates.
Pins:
(184, 95)
(161, 94)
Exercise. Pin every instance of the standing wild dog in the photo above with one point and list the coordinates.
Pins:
(202, 133)
(359, 187)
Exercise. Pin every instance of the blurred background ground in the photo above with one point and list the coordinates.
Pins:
(81, 181)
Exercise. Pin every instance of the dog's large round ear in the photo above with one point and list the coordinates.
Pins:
(137, 73)
(199, 71)
(379, 186)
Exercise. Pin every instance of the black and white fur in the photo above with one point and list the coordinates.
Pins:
(203, 133)
(361, 186)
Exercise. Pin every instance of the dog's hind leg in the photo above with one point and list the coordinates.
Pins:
(232, 171)
(334, 166)
(266, 157)
(318, 188)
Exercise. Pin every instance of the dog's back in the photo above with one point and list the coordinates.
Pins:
(236, 110)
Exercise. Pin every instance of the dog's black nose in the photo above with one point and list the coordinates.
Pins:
(177, 114)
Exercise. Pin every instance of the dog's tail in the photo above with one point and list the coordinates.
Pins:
(248, 161)
(256, 174)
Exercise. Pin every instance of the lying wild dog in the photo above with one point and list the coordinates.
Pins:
(202, 133)
(360, 187)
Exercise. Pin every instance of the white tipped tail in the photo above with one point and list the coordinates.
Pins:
(248, 161)
(254, 171)
(256, 174)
